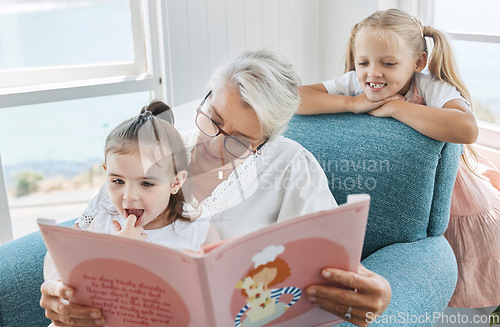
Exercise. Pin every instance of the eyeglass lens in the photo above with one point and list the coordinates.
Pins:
(238, 146)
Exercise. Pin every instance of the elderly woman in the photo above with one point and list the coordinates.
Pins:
(249, 176)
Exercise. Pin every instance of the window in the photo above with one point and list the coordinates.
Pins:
(52, 154)
(475, 32)
(60, 57)
(66, 40)
(69, 72)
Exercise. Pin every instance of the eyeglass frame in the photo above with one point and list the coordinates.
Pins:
(223, 132)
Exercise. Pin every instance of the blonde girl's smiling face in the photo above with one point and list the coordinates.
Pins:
(384, 67)
(137, 185)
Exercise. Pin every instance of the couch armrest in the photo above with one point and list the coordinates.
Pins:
(21, 274)
(422, 275)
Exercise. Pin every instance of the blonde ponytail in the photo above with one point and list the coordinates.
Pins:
(442, 61)
(442, 65)
(349, 56)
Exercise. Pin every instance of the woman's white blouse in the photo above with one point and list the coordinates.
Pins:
(282, 182)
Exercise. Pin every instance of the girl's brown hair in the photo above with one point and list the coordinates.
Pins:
(156, 137)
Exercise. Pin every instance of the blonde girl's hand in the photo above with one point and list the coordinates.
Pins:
(130, 230)
(386, 110)
(361, 104)
(369, 300)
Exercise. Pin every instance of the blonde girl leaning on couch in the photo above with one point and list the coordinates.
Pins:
(386, 76)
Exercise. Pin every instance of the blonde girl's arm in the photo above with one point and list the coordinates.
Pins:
(317, 100)
(453, 123)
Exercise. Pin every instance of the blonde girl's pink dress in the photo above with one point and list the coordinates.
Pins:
(474, 232)
(474, 235)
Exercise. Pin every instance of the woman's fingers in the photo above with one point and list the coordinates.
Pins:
(60, 320)
(373, 292)
(365, 272)
(64, 313)
(54, 287)
(365, 292)
(362, 281)
(348, 279)
(358, 317)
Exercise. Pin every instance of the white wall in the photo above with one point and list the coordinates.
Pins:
(202, 34)
(336, 20)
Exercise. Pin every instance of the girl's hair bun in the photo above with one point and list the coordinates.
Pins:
(161, 110)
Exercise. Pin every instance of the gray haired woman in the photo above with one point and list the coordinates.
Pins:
(249, 176)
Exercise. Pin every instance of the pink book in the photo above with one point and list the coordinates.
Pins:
(254, 280)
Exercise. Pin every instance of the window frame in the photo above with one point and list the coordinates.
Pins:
(425, 9)
(5, 222)
(147, 72)
(49, 84)
(487, 132)
(156, 76)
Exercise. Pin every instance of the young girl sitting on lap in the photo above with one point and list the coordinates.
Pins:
(146, 167)
(385, 77)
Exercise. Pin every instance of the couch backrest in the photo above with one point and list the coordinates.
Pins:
(409, 176)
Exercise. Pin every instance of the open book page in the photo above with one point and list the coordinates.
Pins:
(254, 280)
(135, 283)
(258, 279)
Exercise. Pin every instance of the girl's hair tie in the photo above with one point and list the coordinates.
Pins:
(158, 109)
(147, 114)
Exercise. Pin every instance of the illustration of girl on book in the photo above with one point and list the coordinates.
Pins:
(263, 304)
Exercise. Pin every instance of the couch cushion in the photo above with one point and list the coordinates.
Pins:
(21, 275)
(392, 162)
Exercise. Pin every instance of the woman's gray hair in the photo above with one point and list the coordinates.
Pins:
(266, 82)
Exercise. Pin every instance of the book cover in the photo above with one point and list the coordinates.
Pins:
(254, 280)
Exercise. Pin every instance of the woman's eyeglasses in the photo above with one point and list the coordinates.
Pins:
(237, 146)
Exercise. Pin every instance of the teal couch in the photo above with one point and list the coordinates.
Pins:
(410, 179)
